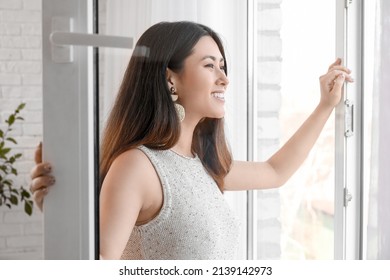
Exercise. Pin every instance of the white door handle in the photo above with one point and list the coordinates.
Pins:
(62, 39)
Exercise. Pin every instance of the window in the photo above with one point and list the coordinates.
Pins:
(294, 48)
(273, 88)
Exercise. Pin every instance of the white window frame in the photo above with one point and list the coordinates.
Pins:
(68, 214)
(251, 248)
(367, 103)
(348, 164)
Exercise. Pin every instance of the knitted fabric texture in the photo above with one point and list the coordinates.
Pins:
(195, 221)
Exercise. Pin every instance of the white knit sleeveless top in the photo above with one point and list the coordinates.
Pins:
(195, 221)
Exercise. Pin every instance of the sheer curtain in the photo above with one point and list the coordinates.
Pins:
(378, 233)
(131, 18)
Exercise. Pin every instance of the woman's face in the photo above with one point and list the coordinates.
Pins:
(202, 83)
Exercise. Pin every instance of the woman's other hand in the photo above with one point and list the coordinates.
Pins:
(332, 82)
(41, 178)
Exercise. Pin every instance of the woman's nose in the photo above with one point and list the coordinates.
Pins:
(223, 79)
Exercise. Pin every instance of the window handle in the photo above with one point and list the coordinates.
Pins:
(62, 39)
(59, 38)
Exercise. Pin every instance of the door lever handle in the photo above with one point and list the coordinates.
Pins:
(62, 39)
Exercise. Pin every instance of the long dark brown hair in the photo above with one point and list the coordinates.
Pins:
(144, 114)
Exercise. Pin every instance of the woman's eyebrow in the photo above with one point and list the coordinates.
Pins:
(212, 58)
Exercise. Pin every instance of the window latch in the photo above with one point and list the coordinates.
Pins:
(347, 197)
(348, 122)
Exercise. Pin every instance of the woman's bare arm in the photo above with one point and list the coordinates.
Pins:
(282, 165)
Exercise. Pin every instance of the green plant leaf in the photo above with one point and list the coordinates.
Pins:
(28, 207)
(21, 106)
(14, 171)
(14, 199)
(8, 183)
(11, 160)
(10, 139)
(4, 169)
(25, 194)
(22, 192)
(8, 194)
(11, 120)
(6, 151)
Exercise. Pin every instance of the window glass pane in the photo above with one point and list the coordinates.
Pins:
(296, 44)
(131, 18)
(376, 130)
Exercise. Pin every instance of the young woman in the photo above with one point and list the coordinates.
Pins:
(165, 160)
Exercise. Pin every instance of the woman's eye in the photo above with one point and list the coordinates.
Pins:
(210, 66)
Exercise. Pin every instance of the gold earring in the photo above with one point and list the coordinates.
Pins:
(179, 108)
(180, 111)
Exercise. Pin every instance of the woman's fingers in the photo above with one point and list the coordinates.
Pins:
(39, 195)
(337, 66)
(332, 83)
(41, 182)
(38, 153)
(340, 68)
(336, 63)
(338, 83)
(335, 69)
(40, 169)
(39, 187)
(332, 75)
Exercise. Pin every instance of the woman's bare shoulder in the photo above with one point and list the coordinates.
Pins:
(133, 175)
(132, 163)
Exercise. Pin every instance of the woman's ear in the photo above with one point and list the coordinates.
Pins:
(170, 75)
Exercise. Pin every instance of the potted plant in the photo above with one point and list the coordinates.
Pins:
(9, 194)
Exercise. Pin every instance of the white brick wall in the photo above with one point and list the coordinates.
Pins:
(269, 69)
(20, 81)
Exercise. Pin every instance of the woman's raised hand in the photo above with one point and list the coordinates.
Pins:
(332, 82)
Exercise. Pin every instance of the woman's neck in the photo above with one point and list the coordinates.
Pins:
(184, 144)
